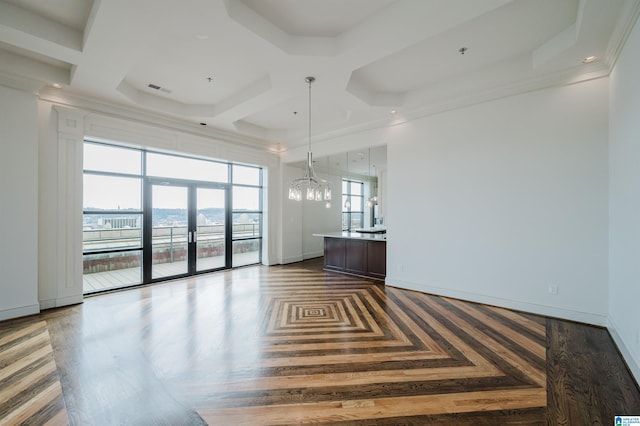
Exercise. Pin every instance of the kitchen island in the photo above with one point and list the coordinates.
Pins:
(356, 253)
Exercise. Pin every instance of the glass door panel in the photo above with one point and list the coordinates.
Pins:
(170, 231)
(210, 229)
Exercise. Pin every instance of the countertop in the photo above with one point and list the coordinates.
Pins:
(354, 236)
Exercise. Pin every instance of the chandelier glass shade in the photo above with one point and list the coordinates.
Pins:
(310, 186)
(313, 187)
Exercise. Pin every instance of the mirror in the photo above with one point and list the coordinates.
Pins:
(366, 165)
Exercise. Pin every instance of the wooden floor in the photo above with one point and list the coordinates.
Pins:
(293, 344)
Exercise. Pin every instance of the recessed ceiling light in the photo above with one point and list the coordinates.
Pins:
(393, 112)
(589, 59)
(56, 85)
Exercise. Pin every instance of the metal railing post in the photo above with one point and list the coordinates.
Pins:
(171, 245)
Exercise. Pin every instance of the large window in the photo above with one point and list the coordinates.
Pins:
(112, 217)
(352, 204)
(149, 216)
(247, 215)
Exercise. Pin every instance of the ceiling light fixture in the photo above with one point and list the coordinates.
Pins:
(589, 59)
(317, 189)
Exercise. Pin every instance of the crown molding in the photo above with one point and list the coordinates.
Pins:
(578, 74)
(72, 100)
(25, 84)
(620, 34)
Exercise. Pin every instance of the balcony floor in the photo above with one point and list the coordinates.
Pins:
(102, 281)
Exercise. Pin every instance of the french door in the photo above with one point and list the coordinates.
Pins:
(188, 229)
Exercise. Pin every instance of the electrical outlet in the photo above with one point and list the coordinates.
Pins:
(553, 289)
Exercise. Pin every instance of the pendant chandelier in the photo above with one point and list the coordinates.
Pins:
(314, 188)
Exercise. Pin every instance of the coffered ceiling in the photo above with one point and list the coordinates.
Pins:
(239, 65)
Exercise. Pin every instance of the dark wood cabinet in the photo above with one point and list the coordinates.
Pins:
(377, 258)
(334, 249)
(356, 256)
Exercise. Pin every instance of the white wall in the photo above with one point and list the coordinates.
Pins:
(316, 218)
(624, 184)
(18, 203)
(496, 202)
(302, 219)
(291, 224)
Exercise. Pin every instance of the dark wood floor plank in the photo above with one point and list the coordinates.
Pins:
(587, 380)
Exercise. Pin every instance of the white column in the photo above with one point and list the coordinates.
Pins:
(66, 264)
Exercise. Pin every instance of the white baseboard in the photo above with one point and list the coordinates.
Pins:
(624, 350)
(292, 259)
(550, 311)
(22, 311)
(313, 254)
(305, 256)
(63, 301)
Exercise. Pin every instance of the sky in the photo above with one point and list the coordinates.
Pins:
(118, 192)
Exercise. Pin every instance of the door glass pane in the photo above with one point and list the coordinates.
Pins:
(170, 166)
(111, 193)
(210, 247)
(169, 231)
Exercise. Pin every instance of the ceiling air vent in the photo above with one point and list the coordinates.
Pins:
(156, 87)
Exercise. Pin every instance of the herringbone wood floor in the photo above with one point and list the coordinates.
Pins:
(294, 344)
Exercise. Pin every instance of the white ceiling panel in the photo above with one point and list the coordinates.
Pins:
(369, 56)
(326, 18)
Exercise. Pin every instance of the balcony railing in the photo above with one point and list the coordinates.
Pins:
(169, 245)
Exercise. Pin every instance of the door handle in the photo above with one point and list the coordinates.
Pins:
(189, 238)
(195, 236)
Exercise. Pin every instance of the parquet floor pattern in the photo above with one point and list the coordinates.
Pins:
(30, 391)
(293, 344)
(331, 349)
